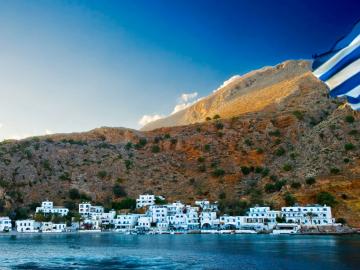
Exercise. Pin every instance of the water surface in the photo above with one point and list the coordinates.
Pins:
(116, 251)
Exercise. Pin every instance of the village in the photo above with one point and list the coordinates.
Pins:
(175, 218)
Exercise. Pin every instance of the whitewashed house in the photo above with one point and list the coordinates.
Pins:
(206, 205)
(5, 224)
(145, 200)
(126, 222)
(47, 227)
(47, 207)
(192, 217)
(308, 215)
(27, 225)
(228, 222)
(89, 211)
(209, 220)
(178, 221)
(143, 223)
(263, 215)
(108, 218)
(159, 215)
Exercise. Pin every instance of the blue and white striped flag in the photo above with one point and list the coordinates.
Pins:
(340, 68)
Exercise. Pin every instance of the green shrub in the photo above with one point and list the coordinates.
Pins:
(119, 191)
(65, 176)
(296, 185)
(216, 116)
(155, 149)
(128, 164)
(259, 150)
(299, 115)
(245, 170)
(173, 141)
(275, 133)
(201, 159)
(310, 180)
(219, 125)
(265, 172)
(325, 198)
(218, 172)
(167, 136)
(46, 165)
(127, 203)
(349, 146)
(222, 196)
(102, 174)
(334, 170)
(270, 188)
(259, 169)
(346, 160)
(289, 199)
(207, 147)
(208, 118)
(280, 151)
(341, 220)
(128, 146)
(74, 194)
(248, 142)
(349, 119)
(287, 167)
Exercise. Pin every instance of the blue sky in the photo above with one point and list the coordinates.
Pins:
(76, 65)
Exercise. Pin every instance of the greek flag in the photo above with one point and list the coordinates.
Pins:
(340, 68)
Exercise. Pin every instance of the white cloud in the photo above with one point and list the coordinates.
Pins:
(146, 119)
(185, 100)
(188, 97)
(230, 80)
(1, 125)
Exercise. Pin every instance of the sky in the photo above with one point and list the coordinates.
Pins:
(71, 66)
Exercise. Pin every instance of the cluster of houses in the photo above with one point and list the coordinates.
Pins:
(177, 217)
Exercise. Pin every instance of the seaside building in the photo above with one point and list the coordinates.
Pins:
(52, 227)
(145, 200)
(263, 215)
(308, 215)
(27, 225)
(47, 207)
(143, 223)
(89, 211)
(108, 218)
(5, 224)
(206, 205)
(209, 220)
(126, 222)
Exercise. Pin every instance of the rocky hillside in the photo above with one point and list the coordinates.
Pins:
(255, 91)
(296, 146)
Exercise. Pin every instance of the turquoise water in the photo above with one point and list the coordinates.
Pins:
(115, 251)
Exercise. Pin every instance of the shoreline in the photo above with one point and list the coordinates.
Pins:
(14, 233)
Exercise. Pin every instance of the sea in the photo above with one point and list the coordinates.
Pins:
(117, 251)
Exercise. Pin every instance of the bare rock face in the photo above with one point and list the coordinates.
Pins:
(277, 127)
(249, 93)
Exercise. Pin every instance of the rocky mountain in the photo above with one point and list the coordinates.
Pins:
(295, 145)
(257, 90)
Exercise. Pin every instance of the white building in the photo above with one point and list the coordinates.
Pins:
(126, 221)
(209, 220)
(143, 223)
(108, 218)
(145, 200)
(27, 225)
(159, 214)
(263, 215)
(308, 215)
(178, 221)
(89, 211)
(5, 224)
(192, 217)
(52, 227)
(206, 205)
(47, 207)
